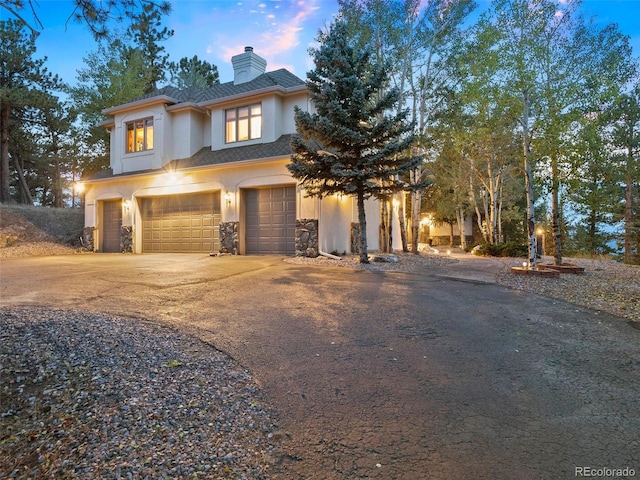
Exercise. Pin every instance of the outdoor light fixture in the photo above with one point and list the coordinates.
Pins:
(228, 196)
(173, 178)
(525, 264)
(126, 204)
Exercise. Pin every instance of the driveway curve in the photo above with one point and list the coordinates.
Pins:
(385, 374)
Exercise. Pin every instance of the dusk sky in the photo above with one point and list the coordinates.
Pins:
(281, 31)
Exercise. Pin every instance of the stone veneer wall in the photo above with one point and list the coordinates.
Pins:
(126, 238)
(229, 237)
(355, 238)
(88, 238)
(307, 238)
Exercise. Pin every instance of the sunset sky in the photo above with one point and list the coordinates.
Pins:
(279, 30)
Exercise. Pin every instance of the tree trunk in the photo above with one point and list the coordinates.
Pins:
(531, 222)
(364, 257)
(403, 224)
(23, 183)
(478, 214)
(555, 213)
(385, 236)
(500, 236)
(4, 154)
(628, 203)
(416, 199)
(461, 228)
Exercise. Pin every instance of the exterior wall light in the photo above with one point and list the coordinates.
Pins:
(126, 204)
(173, 178)
(228, 196)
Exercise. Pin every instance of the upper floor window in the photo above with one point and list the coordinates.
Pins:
(243, 123)
(140, 135)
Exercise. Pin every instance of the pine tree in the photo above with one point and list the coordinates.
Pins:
(96, 15)
(351, 144)
(146, 33)
(24, 83)
(193, 72)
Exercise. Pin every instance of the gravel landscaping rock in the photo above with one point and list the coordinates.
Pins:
(96, 396)
(606, 285)
(403, 262)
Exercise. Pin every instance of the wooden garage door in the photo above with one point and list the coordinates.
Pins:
(270, 220)
(181, 223)
(111, 225)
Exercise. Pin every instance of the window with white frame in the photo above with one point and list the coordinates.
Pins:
(140, 135)
(243, 123)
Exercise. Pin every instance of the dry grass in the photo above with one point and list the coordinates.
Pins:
(63, 225)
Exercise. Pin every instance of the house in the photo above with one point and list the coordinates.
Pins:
(204, 170)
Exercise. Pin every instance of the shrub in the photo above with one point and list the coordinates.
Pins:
(509, 249)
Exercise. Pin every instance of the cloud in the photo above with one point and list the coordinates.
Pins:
(272, 36)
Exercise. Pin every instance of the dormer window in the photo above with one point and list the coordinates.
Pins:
(140, 135)
(243, 123)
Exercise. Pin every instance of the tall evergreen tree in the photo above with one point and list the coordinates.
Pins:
(193, 72)
(626, 138)
(147, 34)
(350, 145)
(115, 74)
(24, 83)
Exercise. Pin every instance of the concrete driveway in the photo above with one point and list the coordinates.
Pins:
(385, 375)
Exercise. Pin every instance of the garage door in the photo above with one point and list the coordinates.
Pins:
(111, 226)
(270, 220)
(181, 223)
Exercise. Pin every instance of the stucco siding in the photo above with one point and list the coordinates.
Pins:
(187, 128)
(123, 162)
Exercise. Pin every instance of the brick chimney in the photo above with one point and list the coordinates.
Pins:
(247, 66)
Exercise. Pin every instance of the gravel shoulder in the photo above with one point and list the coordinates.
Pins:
(606, 285)
(92, 396)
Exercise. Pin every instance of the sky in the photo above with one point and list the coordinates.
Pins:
(281, 31)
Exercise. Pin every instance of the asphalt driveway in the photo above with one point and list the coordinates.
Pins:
(385, 375)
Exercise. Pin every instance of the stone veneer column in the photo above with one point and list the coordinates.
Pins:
(88, 238)
(229, 237)
(307, 238)
(126, 239)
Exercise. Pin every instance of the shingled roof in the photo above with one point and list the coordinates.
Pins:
(281, 77)
(205, 156)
